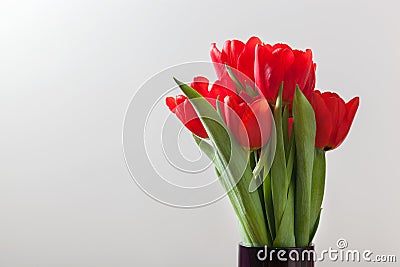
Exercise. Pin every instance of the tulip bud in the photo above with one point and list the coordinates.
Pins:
(333, 117)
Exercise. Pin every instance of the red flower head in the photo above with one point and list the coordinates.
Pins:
(237, 55)
(267, 66)
(280, 63)
(333, 118)
(184, 110)
(249, 119)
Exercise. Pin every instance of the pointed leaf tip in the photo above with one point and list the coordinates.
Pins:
(178, 82)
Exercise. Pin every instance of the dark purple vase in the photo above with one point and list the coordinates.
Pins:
(276, 257)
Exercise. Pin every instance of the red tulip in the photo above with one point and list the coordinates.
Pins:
(333, 118)
(267, 66)
(220, 89)
(249, 119)
(184, 110)
(238, 56)
(280, 63)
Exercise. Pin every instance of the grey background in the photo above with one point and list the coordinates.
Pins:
(68, 70)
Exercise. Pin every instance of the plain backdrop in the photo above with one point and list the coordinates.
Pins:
(68, 70)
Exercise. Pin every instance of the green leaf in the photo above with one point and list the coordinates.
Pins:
(232, 194)
(250, 90)
(285, 234)
(238, 84)
(269, 208)
(218, 106)
(315, 228)
(317, 188)
(285, 127)
(233, 165)
(279, 178)
(304, 129)
(257, 180)
(205, 147)
(265, 162)
(291, 156)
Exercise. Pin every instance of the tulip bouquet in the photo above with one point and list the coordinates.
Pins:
(266, 129)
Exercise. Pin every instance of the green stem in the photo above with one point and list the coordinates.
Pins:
(317, 189)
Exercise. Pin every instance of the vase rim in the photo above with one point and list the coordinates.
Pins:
(310, 247)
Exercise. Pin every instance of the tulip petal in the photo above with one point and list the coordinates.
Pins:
(279, 63)
(200, 84)
(231, 52)
(323, 120)
(298, 74)
(310, 83)
(170, 101)
(216, 57)
(334, 106)
(262, 53)
(185, 112)
(246, 59)
(344, 127)
(257, 122)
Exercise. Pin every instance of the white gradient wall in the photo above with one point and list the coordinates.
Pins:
(68, 70)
